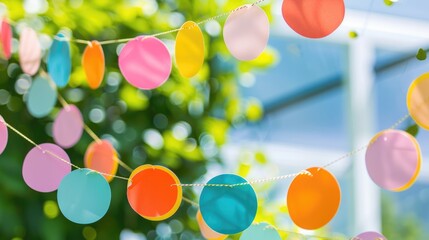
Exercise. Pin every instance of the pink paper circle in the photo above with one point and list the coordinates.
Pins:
(3, 135)
(246, 32)
(393, 160)
(42, 171)
(6, 38)
(68, 126)
(145, 62)
(370, 236)
(29, 51)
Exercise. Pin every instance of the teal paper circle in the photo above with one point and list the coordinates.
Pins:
(84, 196)
(41, 97)
(228, 210)
(59, 61)
(261, 231)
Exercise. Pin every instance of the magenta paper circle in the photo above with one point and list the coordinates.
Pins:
(42, 171)
(68, 126)
(246, 32)
(393, 160)
(29, 51)
(145, 62)
(3, 135)
(370, 236)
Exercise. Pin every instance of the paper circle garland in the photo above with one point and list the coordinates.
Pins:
(418, 100)
(189, 49)
(145, 62)
(206, 231)
(30, 51)
(393, 160)
(261, 231)
(228, 210)
(152, 192)
(42, 170)
(84, 196)
(102, 157)
(3, 135)
(246, 32)
(68, 126)
(370, 236)
(313, 18)
(5, 39)
(41, 97)
(93, 64)
(313, 200)
(59, 61)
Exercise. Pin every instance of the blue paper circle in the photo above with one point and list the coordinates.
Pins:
(228, 210)
(59, 62)
(261, 231)
(41, 97)
(84, 196)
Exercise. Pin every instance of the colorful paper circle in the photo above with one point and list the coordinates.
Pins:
(152, 192)
(393, 160)
(84, 196)
(68, 126)
(59, 61)
(41, 97)
(145, 62)
(3, 135)
(313, 200)
(206, 231)
(313, 18)
(30, 51)
(370, 236)
(189, 49)
(261, 231)
(418, 100)
(228, 210)
(93, 64)
(44, 167)
(102, 157)
(246, 32)
(5, 39)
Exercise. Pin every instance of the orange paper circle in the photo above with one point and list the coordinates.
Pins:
(313, 18)
(206, 231)
(313, 200)
(93, 64)
(152, 192)
(102, 157)
(418, 100)
(189, 49)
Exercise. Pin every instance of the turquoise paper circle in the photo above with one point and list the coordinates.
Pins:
(228, 210)
(261, 231)
(41, 97)
(84, 196)
(59, 62)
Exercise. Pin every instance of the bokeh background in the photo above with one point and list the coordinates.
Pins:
(301, 103)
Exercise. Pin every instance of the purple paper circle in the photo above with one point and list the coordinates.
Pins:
(42, 170)
(3, 135)
(393, 160)
(145, 62)
(370, 236)
(68, 126)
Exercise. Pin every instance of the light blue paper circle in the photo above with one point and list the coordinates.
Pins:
(84, 196)
(59, 62)
(228, 210)
(261, 231)
(41, 97)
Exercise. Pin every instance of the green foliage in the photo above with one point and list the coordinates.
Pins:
(207, 105)
(421, 54)
(413, 130)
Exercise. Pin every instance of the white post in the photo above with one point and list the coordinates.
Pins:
(366, 195)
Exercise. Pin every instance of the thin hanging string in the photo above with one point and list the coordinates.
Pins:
(53, 154)
(122, 40)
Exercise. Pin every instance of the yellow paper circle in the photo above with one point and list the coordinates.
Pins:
(189, 49)
(418, 100)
